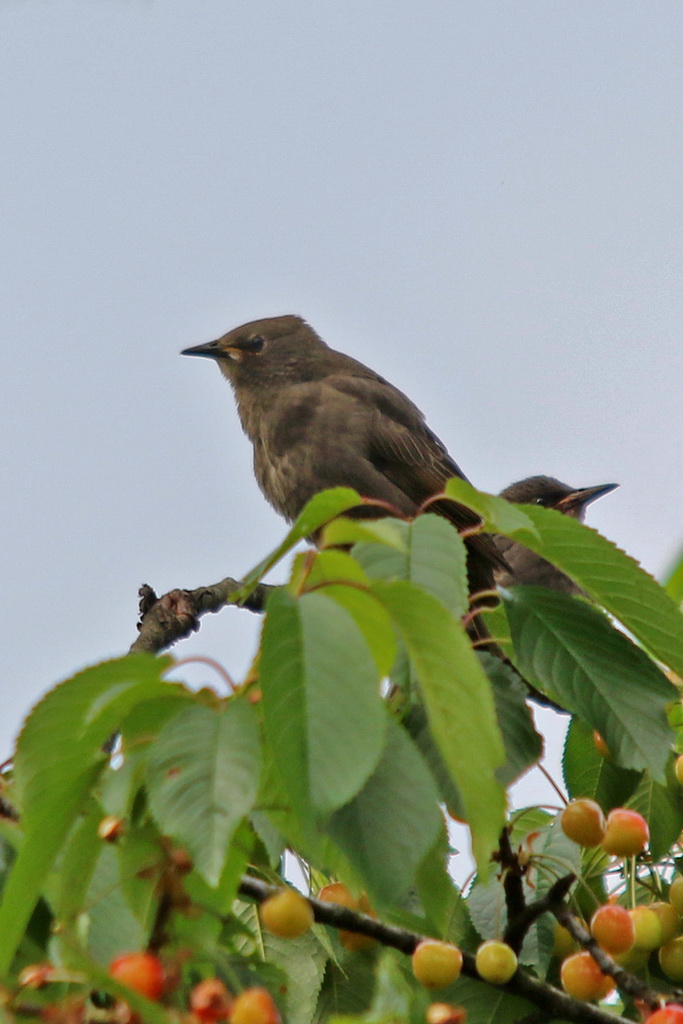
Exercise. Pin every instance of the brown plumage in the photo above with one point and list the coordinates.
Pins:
(318, 418)
(524, 566)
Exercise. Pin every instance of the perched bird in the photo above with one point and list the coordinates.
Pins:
(318, 418)
(525, 566)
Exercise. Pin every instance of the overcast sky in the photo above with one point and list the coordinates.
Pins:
(480, 200)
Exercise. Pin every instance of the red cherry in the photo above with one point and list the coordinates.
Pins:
(337, 892)
(210, 1001)
(495, 961)
(445, 1013)
(671, 1014)
(110, 828)
(436, 964)
(583, 822)
(612, 928)
(254, 1006)
(143, 972)
(582, 978)
(35, 975)
(600, 745)
(676, 893)
(648, 928)
(627, 833)
(669, 918)
(287, 913)
(671, 959)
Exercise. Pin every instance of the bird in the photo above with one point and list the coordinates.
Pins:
(318, 418)
(525, 566)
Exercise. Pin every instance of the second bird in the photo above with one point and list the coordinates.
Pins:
(525, 566)
(318, 418)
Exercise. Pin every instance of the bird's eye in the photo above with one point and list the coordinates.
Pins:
(254, 344)
(540, 501)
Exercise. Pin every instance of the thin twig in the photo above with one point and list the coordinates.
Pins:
(548, 778)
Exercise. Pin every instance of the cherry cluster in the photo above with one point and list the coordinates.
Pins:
(629, 936)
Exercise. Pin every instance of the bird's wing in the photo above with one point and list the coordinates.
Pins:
(412, 457)
(408, 453)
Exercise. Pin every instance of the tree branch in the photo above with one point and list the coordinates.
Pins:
(513, 885)
(167, 619)
(550, 1000)
(626, 981)
(552, 901)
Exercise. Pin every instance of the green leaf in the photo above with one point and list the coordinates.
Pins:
(381, 562)
(459, 702)
(417, 725)
(142, 856)
(389, 826)
(390, 532)
(303, 962)
(75, 866)
(145, 721)
(438, 561)
(201, 931)
(372, 621)
(594, 671)
(297, 829)
(392, 998)
(271, 839)
(563, 856)
(58, 759)
(587, 773)
(112, 927)
(612, 578)
(523, 745)
(120, 787)
(662, 808)
(319, 510)
(64, 733)
(202, 779)
(673, 580)
(315, 569)
(340, 577)
(239, 857)
(323, 715)
(9, 838)
(498, 626)
(487, 1005)
(346, 989)
(498, 514)
(442, 902)
(435, 559)
(487, 907)
(526, 820)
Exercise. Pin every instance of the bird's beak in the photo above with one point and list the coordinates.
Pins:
(211, 349)
(579, 499)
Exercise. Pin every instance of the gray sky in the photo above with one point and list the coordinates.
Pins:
(480, 200)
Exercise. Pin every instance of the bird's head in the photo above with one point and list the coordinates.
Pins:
(266, 351)
(551, 493)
